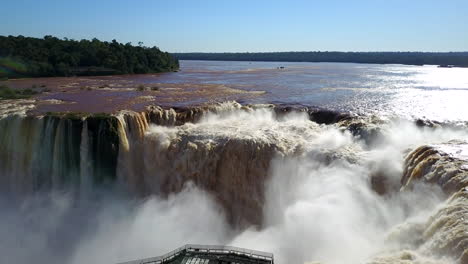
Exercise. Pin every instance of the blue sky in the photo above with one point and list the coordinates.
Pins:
(238, 25)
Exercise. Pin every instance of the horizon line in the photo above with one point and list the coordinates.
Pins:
(316, 51)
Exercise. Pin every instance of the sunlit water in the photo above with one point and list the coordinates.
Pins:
(397, 90)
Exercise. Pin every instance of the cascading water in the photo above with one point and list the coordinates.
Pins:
(56, 152)
(255, 176)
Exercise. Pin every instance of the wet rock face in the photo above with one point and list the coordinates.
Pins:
(446, 165)
(327, 117)
(427, 123)
(402, 257)
(379, 183)
(447, 231)
(368, 131)
(173, 116)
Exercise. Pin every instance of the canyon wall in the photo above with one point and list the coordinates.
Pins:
(447, 166)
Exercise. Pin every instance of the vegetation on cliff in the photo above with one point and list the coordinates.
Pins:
(8, 93)
(411, 58)
(50, 56)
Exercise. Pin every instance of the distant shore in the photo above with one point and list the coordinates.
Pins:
(442, 59)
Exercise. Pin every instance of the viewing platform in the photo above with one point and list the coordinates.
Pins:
(208, 254)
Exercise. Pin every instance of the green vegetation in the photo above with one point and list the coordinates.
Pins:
(410, 58)
(33, 57)
(8, 93)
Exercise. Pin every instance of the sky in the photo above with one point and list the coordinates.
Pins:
(248, 26)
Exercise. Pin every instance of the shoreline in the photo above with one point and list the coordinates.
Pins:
(337, 62)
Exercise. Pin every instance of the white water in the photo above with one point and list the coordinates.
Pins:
(319, 205)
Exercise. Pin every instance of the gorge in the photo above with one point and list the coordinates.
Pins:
(297, 181)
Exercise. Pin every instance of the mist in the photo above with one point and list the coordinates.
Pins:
(58, 228)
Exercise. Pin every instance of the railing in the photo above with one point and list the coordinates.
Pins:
(206, 249)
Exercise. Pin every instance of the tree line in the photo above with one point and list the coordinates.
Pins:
(50, 56)
(410, 58)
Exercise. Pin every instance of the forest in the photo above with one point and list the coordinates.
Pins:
(50, 56)
(444, 59)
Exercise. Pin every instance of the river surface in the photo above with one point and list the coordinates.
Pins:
(411, 92)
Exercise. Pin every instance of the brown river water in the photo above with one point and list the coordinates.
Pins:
(425, 92)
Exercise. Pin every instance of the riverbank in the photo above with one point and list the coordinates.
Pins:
(454, 59)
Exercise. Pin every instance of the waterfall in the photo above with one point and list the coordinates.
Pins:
(264, 177)
(47, 152)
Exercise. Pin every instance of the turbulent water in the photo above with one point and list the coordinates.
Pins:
(309, 185)
(134, 185)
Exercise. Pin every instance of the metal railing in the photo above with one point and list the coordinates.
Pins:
(205, 249)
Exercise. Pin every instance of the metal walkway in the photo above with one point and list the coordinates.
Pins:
(206, 249)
